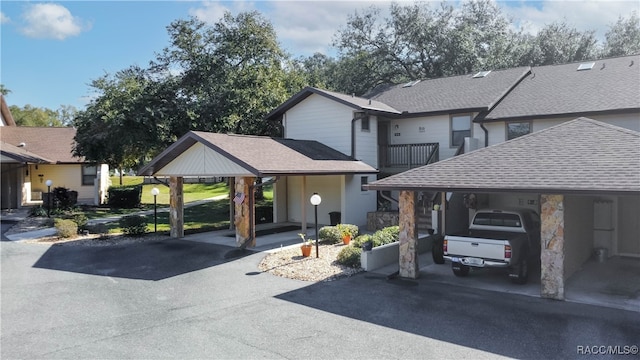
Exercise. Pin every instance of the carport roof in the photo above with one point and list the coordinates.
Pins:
(579, 156)
(20, 154)
(256, 155)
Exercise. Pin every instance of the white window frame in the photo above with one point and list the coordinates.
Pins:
(86, 175)
(452, 131)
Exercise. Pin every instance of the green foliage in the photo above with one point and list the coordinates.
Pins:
(349, 256)
(361, 239)
(34, 116)
(126, 197)
(80, 219)
(133, 225)
(100, 228)
(623, 37)
(64, 198)
(38, 211)
(66, 228)
(329, 234)
(386, 236)
(348, 229)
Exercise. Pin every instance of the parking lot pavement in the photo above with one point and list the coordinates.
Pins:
(180, 299)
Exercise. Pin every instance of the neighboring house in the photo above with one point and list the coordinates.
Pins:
(32, 155)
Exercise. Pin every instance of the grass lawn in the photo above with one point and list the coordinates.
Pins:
(205, 217)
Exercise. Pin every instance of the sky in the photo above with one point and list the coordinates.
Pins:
(51, 51)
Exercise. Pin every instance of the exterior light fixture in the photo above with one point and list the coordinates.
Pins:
(315, 201)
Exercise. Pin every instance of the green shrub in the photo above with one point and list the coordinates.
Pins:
(64, 198)
(329, 234)
(133, 225)
(125, 197)
(386, 236)
(80, 219)
(38, 211)
(361, 239)
(349, 256)
(349, 229)
(66, 228)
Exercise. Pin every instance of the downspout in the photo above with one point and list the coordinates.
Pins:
(486, 134)
(353, 137)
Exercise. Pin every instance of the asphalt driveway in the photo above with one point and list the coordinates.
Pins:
(182, 299)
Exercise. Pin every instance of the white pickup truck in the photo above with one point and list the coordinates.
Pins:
(496, 238)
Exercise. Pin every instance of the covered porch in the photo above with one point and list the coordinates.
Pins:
(296, 168)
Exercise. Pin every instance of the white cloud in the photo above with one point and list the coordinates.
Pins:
(4, 18)
(212, 11)
(51, 21)
(596, 15)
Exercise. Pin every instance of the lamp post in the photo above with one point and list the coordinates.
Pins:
(49, 183)
(315, 201)
(155, 192)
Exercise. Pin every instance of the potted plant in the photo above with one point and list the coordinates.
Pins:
(306, 246)
(345, 232)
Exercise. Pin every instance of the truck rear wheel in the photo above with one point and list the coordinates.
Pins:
(437, 251)
(460, 269)
(522, 272)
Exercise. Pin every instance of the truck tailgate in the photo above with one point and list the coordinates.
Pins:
(476, 247)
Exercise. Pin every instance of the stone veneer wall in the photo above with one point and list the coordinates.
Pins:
(552, 242)
(382, 219)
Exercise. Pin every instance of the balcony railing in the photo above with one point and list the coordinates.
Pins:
(407, 156)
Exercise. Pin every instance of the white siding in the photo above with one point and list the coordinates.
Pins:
(200, 160)
(329, 189)
(318, 118)
(432, 129)
(367, 142)
(498, 133)
(355, 202)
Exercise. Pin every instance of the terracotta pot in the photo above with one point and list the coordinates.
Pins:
(346, 239)
(306, 250)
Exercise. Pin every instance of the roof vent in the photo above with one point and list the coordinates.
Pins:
(22, 144)
(586, 66)
(410, 83)
(481, 74)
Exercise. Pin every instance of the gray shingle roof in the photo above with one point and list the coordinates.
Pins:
(265, 156)
(358, 103)
(612, 84)
(55, 143)
(452, 94)
(578, 156)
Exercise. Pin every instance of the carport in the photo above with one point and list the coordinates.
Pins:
(586, 175)
(245, 158)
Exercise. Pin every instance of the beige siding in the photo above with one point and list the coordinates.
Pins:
(67, 176)
(200, 160)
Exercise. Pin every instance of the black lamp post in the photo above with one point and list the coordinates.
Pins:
(155, 192)
(315, 201)
(49, 183)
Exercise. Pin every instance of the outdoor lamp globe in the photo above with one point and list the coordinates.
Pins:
(48, 182)
(155, 191)
(315, 199)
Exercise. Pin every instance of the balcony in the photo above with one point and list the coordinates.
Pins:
(397, 158)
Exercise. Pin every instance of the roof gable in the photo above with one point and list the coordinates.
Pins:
(578, 156)
(257, 155)
(610, 85)
(355, 102)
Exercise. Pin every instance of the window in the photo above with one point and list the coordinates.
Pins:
(89, 173)
(364, 180)
(517, 129)
(460, 128)
(364, 125)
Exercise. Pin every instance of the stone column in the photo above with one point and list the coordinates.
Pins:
(176, 207)
(552, 243)
(244, 216)
(408, 235)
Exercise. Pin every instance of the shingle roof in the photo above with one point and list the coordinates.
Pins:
(54, 143)
(578, 156)
(20, 154)
(265, 156)
(612, 84)
(355, 102)
(452, 93)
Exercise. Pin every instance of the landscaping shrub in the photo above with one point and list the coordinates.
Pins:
(63, 198)
(349, 256)
(80, 219)
(38, 211)
(66, 228)
(133, 225)
(361, 239)
(101, 229)
(350, 228)
(329, 234)
(125, 197)
(386, 236)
